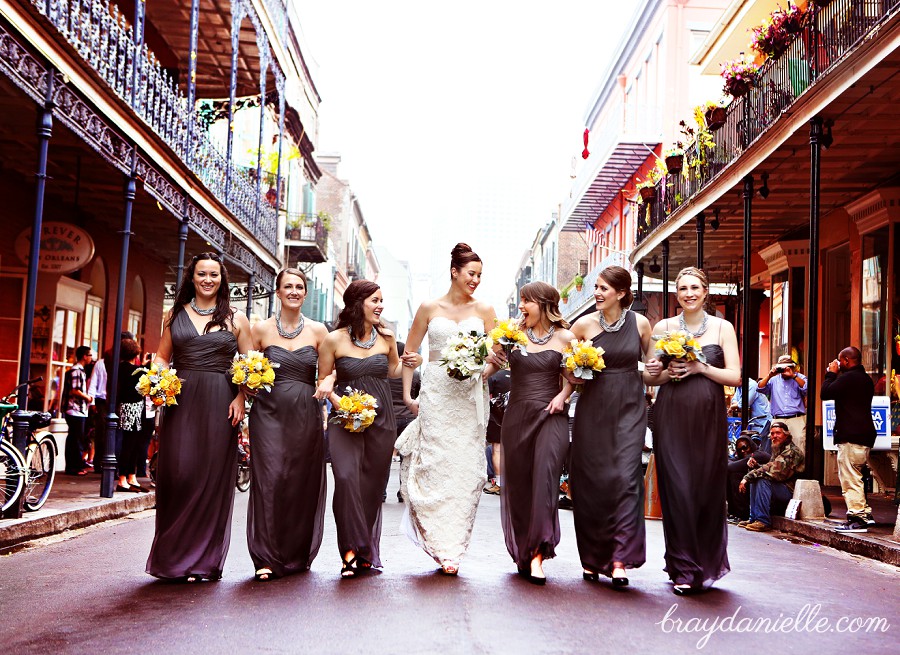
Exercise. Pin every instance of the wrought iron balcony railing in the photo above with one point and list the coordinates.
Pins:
(828, 36)
(103, 38)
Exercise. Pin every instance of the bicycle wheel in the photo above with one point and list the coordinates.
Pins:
(12, 475)
(243, 476)
(41, 466)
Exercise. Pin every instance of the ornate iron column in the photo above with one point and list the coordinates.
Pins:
(259, 151)
(108, 466)
(701, 229)
(251, 281)
(281, 109)
(237, 16)
(639, 269)
(192, 83)
(44, 132)
(746, 343)
(138, 31)
(813, 461)
(182, 243)
(665, 280)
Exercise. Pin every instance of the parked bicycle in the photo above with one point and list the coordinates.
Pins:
(33, 474)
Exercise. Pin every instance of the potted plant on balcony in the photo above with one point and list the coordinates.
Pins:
(674, 158)
(564, 294)
(293, 226)
(740, 76)
(713, 116)
(579, 283)
(790, 19)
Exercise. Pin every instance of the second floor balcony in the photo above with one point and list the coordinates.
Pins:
(824, 61)
(155, 87)
(306, 238)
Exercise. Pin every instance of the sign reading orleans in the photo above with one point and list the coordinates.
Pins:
(64, 247)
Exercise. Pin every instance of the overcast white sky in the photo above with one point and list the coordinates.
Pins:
(454, 117)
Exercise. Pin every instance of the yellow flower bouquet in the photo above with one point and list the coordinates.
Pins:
(355, 410)
(159, 383)
(678, 344)
(509, 334)
(253, 370)
(582, 359)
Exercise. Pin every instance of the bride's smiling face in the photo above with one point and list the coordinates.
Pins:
(468, 277)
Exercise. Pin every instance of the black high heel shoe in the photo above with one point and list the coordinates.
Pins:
(590, 577)
(533, 579)
(687, 590)
(348, 570)
(621, 581)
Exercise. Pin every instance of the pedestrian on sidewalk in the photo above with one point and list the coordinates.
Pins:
(131, 418)
(771, 485)
(852, 390)
(786, 389)
(75, 402)
(498, 391)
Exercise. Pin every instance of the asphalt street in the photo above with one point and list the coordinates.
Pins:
(86, 592)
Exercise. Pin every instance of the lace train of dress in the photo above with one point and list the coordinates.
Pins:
(443, 454)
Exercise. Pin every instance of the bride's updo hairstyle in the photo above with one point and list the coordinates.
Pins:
(620, 280)
(547, 298)
(353, 315)
(461, 255)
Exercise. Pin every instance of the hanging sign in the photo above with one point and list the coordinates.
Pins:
(64, 247)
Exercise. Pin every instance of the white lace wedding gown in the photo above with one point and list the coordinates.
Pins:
(444, 464)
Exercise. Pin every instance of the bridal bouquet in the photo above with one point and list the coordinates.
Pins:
(582, 358)
(509, 334)
(466, 354)
(159, 383)
(355, 410)
(678, 344)
(254, 370)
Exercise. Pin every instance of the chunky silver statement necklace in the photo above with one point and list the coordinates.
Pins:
(285, 334)
(615, 327)
(703, 325)
(202, 312)
(363, 344)
(544, 339)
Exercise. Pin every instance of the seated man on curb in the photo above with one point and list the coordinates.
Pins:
(772, 484)
(746, 458)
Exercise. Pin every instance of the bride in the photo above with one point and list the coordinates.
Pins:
(443, 449)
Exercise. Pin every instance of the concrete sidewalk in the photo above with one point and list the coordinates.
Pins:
(74, 502)
(878, 543)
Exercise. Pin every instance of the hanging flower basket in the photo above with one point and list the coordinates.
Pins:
(715, 118)
(648, 194)
(674, 164)
(740, 76)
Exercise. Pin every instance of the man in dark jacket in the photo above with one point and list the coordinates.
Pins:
(851, 389)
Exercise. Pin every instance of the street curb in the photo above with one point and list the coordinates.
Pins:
(878, 548)
(26, 529)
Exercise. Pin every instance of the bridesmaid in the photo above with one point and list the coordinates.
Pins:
(690, 426)
(608, 436)
(364, 354)
(535, 434)
(197, 445)
(287, 489)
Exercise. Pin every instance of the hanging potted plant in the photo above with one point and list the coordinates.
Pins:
(293, 227)
(674, 158)
(714, 115)
(564, 294)
(740, 76)
(790, 19)
(770, 37)
(579, 283)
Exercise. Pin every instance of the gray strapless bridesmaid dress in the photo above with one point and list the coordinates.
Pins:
(287, 490)
(197, 459)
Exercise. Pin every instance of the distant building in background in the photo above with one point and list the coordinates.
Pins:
(396, 283)
(354, 256)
